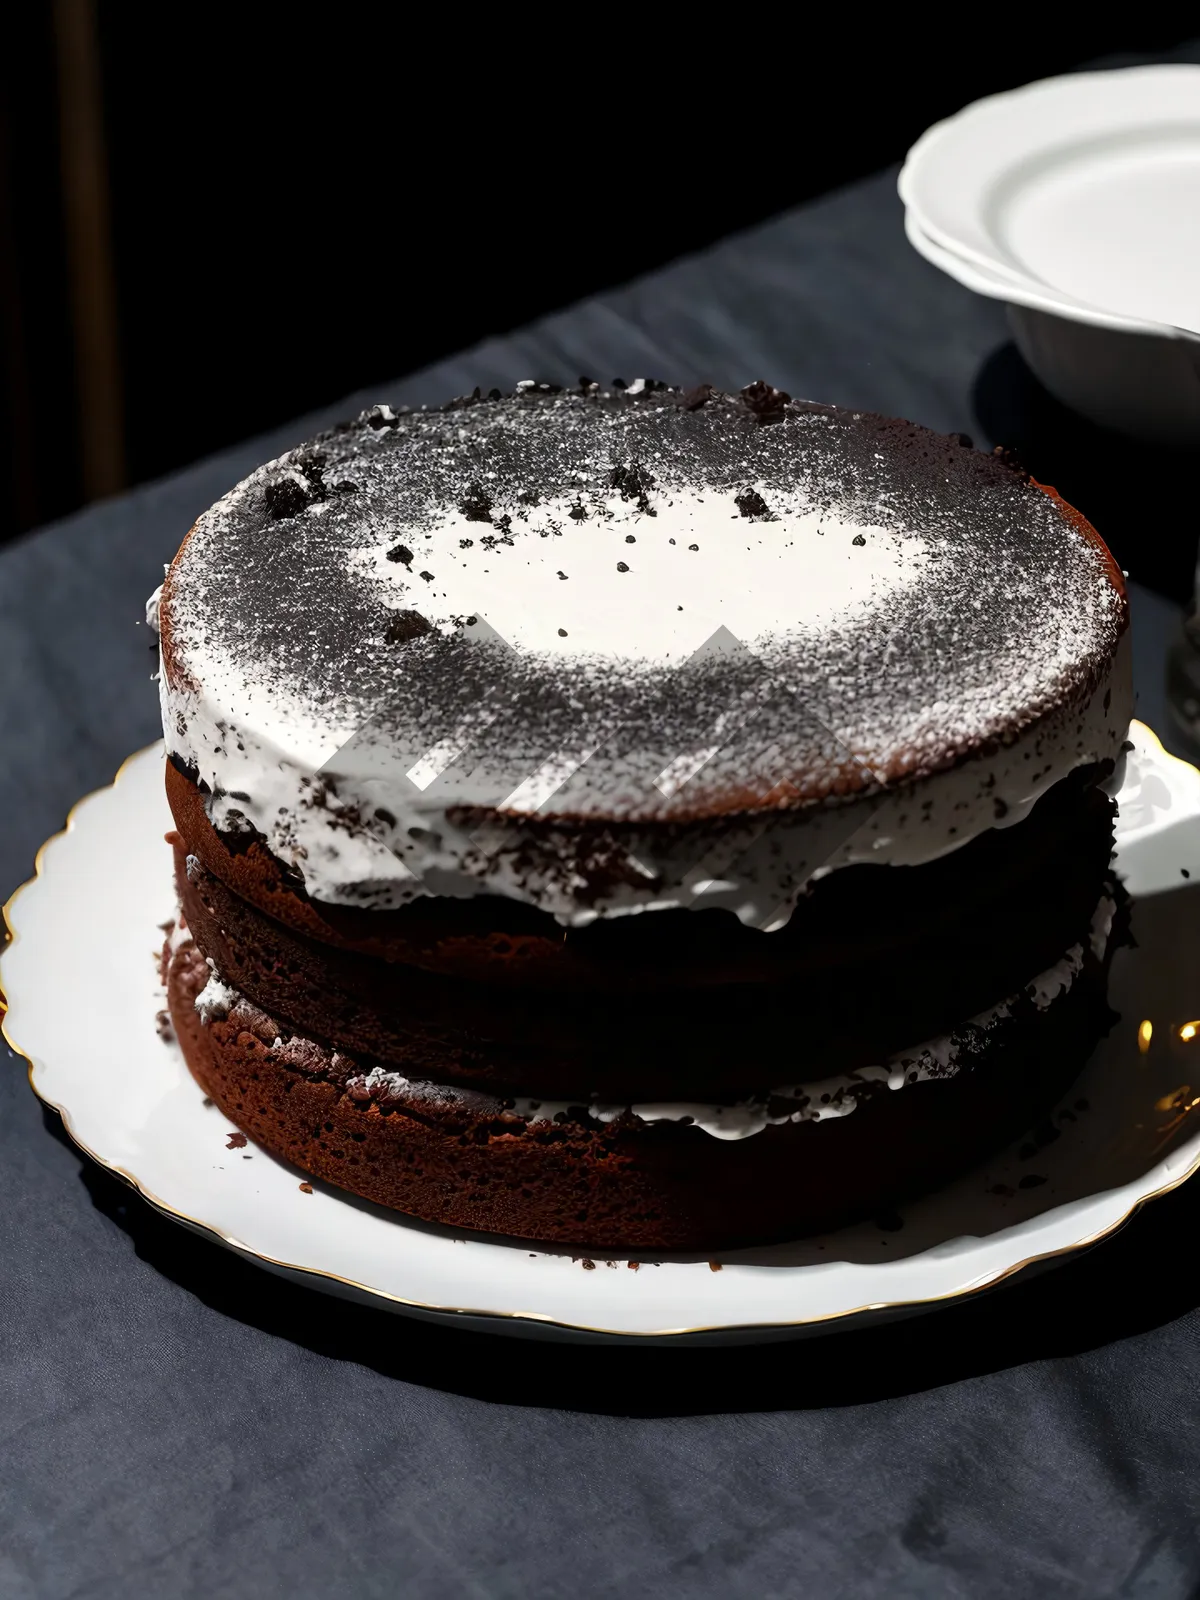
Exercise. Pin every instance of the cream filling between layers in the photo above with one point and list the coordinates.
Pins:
(818, 1101)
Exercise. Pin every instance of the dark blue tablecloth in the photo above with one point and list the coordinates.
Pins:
(176, 1422)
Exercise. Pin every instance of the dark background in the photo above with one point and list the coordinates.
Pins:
(287, 206)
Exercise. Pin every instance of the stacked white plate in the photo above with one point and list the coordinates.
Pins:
(1076, 201)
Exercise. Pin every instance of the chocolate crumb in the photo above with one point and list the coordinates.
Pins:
(1184, 873)
(629, 539)
(859, 539)
(621, 567)
(691, 546)
(236, 1141)
(767, 403)
(751, 504)
(632, 482)
(286, 497)
(588, 1266)
(562, 575)
(714, 1266)
(306, 1188)
(406, 625)
(477, 506)
(400, 552)
(162, 1023)
(562, 633)
(428, 576)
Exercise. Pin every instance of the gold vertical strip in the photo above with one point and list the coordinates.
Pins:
(90, 271)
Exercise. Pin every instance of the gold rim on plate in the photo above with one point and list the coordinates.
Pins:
(540, 1319)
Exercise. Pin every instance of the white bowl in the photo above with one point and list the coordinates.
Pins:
(1144, 384)
(1077, 202)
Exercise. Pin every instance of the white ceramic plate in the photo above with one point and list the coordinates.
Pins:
(1077, 202)
(1143, 384)
(81, 982)
(989, 278)
(1087, 186)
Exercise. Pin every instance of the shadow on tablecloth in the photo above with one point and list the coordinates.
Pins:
(1146, 1276)
(1142, 500)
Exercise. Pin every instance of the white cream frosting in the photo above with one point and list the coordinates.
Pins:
(216, 1000)
(755, 868)
(366, 814)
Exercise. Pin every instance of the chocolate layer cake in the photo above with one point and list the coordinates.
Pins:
(641, 819)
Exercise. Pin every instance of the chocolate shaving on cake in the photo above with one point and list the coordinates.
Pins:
(380, 417)
(406, 625)
(288, 495)
(767, 404)
(476, 505)
(633, 481)
(751, 504)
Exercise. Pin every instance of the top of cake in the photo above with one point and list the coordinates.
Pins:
(639, 606)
